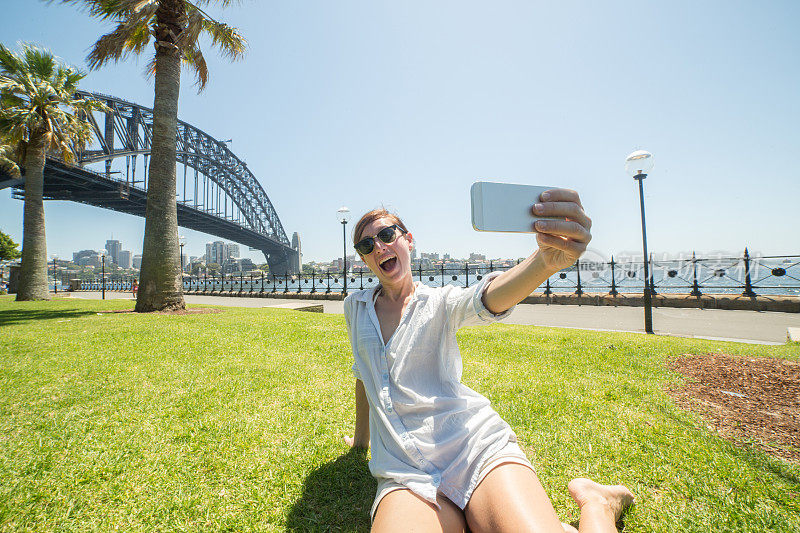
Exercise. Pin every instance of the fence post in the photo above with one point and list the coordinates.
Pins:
(579, 291)
(329, 282)
(652, 284)
(442, 273)
(313, 280)
(695, 286)
(547, 291)
(613, 291)
(286, 282)
(361, 279)
(748, 286)
(466, 269)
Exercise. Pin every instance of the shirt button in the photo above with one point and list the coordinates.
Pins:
(389, 408)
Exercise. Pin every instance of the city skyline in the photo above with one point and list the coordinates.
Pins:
(524, 93)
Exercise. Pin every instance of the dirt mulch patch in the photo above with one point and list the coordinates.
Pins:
(754, 401)
(187, 311)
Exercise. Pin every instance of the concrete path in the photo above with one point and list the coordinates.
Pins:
(742, 326)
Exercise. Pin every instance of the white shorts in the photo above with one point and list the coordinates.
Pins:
(510, 453)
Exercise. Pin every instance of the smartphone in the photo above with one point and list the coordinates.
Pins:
(505, 206)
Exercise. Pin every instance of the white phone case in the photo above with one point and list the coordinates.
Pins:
(504, 206)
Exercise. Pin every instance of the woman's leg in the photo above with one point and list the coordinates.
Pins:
(511, 498)
(404, 511)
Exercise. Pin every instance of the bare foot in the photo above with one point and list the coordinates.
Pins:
(568, 528)
(613, 497)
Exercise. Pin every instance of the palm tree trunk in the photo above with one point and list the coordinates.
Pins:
(160, 285)
(33, 274)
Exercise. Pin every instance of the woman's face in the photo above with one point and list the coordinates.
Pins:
(390, 262)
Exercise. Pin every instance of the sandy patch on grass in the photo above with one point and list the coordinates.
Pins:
(747, 400)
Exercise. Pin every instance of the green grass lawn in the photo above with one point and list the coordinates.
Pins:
(234, 421)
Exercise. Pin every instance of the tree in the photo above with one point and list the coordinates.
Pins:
(174, 26)
(36, 97)
(8, 248)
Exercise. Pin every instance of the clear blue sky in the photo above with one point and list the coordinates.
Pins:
(363, 103)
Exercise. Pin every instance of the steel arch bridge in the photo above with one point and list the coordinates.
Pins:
(217, 193)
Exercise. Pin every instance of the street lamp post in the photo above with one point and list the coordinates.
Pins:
(638, 164)
(55, 283)
(182, 240)
(103, 259)
(343, 214)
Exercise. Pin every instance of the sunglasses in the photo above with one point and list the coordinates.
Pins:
(386, 235)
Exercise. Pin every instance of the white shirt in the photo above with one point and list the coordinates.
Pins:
(428, 431)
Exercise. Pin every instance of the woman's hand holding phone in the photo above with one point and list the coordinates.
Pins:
(561, 242)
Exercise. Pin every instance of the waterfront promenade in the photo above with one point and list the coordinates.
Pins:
(763, 327)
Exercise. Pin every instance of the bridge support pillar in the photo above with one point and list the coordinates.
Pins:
(281, 263)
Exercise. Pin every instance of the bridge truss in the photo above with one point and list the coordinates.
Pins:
(216, 194)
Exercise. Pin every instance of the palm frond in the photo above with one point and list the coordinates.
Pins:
(130, 36)
(39, 62)
(230, 43)
(115, 10)
(8, 161)
(227, 39)
(220, 3)
(37, 94)
(197, 63)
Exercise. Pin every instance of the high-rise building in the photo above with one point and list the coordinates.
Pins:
(215, 252)
(137, 261)
(113, 247)
(221, 252)
(125, 259)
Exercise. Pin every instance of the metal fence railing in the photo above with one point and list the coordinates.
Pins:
(754, 276)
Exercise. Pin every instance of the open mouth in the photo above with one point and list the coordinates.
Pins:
(387, 265)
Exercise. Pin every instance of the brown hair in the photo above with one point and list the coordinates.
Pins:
(372, 216)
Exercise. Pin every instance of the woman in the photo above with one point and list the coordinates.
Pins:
(444, 460)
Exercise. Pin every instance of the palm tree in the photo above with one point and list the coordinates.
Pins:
(174, 26)
(36, 97)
